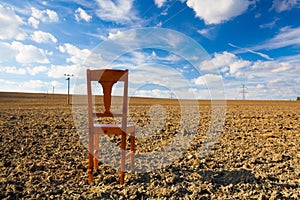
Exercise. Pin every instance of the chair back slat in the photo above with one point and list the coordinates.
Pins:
(107, 78)
(108, 75)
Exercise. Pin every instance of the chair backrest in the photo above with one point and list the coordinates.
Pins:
(107, 78)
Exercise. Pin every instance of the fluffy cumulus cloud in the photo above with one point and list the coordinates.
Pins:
(120, 11)
(33, 22)
(210, 80)
(80, 14)
(274, 67)
(29, 53)
(226, 62)
(44, 15)
(10, 23)
(77, 56)
(120, 35)
(231, 65)
(43, 37)
(216, 12)
(262, 78)
(41, 15)
(22, 53)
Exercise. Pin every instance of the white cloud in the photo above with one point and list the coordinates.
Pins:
(41, 15)
(6, 52)
(293, 59)
(155, 74)
(284, 5)
(159, 81)
(209, 80)
(29, 53)
(120, 11)
(216, 12)
(260, 86)
(157, 93)
(283, 67)
(122, 36)
(43, 37)
(24, 86)
(115, 35)
(234, 63)
(58, 71)
(220, 60)
(33, 22)
(52, 15)
(77, 56)
(264, 80)
(80, 14)
(44, 15)
(139, 58)
(159, 24)
(36, 70)
(286, 37)
(10, 24)
(146, 79)
(31, 86)
(231, 65)
(207, 32)
(13, 70)
(160, 3)
(270, 24)
(274, 67)
(237, 65)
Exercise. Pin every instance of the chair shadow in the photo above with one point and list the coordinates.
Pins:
(227, 177)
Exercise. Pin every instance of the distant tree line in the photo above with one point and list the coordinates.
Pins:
(298, 98)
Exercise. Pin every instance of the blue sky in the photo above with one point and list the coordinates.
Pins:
(253, 43)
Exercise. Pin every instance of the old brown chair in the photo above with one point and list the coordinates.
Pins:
(107, 78)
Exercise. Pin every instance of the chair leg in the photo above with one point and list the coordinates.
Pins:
(123, 149)
(90, 168)
(132, 150)
(96, 151)
(90, 156)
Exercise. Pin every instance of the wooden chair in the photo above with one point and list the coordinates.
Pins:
(107, 78)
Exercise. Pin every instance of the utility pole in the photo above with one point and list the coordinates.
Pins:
(52, 96)
(68, 79)
(244, 91)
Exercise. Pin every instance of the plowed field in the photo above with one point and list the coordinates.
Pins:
(256, 156)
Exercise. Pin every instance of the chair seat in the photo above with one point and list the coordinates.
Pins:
(113, 128)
